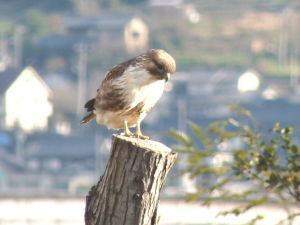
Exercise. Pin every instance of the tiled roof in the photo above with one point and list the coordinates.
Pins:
(101, 22)
(59, 41)
(7, 77)
(57, 146)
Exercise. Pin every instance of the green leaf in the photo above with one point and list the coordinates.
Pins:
(233, 122)
(287, 130)
(294, 149)
(158, 219)
(181, 137)
(194, 160)
(235, 211)
(197, 131)
(253, 221)
(237, 109)
(202, 169)
(222, 170)
(204, 153)
(255, 202)
(219, 184)
(229, 135)
(243, 195)
(193, 196)
(181, 148)
(217, 127)
(275, 128)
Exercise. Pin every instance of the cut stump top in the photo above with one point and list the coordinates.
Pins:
(146, 144)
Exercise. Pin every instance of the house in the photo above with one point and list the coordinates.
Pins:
(111, 31)
(24, 100)
(177, 8)
(52, 162)
(249, 81)
(108, 39)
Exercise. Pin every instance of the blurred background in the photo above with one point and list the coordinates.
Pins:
(55, 53)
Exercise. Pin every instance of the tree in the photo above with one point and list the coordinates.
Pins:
(271, 164)
(37, 24)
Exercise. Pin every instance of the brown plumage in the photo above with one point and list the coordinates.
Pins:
(130, 90)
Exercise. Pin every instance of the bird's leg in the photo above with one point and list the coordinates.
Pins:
(127, 132)
(138, 132)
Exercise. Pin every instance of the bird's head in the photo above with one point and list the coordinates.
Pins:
(160, 64)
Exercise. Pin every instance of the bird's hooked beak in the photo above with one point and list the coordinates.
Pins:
(166, 77)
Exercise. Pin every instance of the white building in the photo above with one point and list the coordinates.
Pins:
(24, 100)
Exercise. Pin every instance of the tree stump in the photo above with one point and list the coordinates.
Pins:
(129, 190)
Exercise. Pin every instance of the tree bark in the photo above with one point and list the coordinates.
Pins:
(129, 190)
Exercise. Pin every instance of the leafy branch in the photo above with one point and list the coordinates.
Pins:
(256, 160)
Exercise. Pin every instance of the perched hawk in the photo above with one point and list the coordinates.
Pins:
(130, 90)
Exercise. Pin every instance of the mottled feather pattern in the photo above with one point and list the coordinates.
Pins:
(119, 69)
(133, 93)
(131, 89)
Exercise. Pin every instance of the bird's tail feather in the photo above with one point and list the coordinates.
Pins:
(88, 118)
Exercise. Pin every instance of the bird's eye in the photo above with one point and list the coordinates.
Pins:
(160, 68)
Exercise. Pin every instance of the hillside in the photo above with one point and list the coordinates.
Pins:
(251, 34)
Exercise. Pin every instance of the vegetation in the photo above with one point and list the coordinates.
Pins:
(228, 34)
(270, 163)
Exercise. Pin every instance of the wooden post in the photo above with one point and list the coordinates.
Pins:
(129, 190)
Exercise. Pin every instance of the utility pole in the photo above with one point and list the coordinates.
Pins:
(18, 46)
(181, 105)
(82, 63)
(3, 53)
(186, 184)
(283, 38)
(294, 80)
(21, 139)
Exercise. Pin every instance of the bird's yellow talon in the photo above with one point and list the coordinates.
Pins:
(129, 134)
(141, 136)
(144, 137)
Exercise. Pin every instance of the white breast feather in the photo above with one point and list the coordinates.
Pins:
(138, 86)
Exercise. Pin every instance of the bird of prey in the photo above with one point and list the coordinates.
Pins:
(130, 90)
